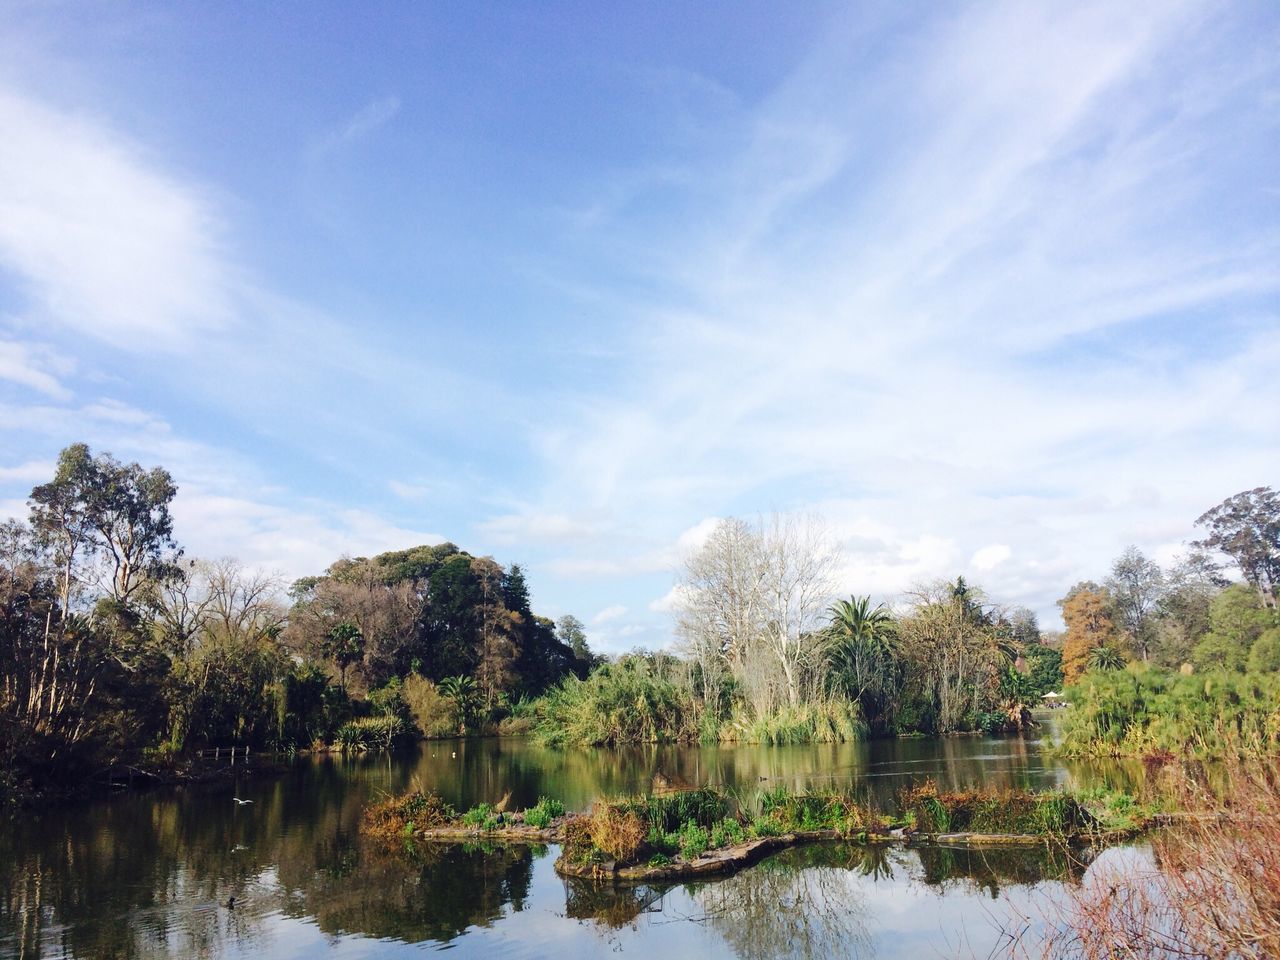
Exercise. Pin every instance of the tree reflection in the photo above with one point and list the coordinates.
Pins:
(802, 905)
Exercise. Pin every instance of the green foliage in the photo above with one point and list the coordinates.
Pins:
(823, 721)
(625, 702)
(693, 840)
(1264, 656)
(478, 815)
(726, 833)
(1046, 670)
(366, 733)
(1139, 712)
(993, 811)
(543, 813)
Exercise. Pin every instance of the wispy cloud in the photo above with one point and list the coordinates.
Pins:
(104, 242)
(363, 122)
(975, 325)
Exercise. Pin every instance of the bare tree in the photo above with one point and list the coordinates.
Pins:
(751, 600)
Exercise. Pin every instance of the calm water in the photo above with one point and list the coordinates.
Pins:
(148, 875)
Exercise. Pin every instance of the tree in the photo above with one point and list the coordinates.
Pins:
(860, 645)
(462, 693)
(752, 599)
(1237, 619)
(1136, 585)
(344, 645)
(570, 631)
(1086, 610)
(1246, 527)
(1106, 658)
(97, 507)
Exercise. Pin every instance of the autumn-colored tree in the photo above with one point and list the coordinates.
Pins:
(1087, 612)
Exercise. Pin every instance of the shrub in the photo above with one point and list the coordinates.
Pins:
(432, 714)
(396, 817)
(694, 841)
(477, 815)
(625, 702)
(615, 832)
(727, 833)
(543, 813)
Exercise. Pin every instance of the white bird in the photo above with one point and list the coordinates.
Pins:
(241, 802)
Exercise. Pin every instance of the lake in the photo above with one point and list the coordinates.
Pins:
(148, 875)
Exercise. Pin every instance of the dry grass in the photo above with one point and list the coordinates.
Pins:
(1213, 892)
(615, 832)
(390, 820)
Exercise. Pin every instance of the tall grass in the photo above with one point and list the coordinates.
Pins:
(1140, 712)
(619, 703)
(823, 721)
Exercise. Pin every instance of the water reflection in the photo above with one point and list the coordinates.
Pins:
(151, 875)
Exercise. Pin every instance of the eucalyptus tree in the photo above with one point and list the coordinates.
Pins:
(1246, 527)
(1136, 585)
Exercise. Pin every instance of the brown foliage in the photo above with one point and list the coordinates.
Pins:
(1087, 614)
(1214, 893)
(615, 832)
(387, 821)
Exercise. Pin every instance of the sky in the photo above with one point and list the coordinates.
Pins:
(994, 289)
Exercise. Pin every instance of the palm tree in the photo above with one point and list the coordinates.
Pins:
(466, 698)
(859, 644)
(1106, 658)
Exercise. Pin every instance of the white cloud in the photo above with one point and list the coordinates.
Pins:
(106, 243)
(542, 527)
(670, 601)
(33, 366)
(408, 491)
(990, 557)
(32, 472)
(609, 613)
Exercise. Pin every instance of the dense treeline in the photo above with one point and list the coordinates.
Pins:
(115, 647)
(1181, 659)
(765, 656)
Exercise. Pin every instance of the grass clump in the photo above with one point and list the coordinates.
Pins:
(813, 810)
(396, 818)
(616, 832)
(625, 702)
(479, 815)
(823, 721)
(543, 813)
(994, 811)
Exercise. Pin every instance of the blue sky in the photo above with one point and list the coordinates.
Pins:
(992, 288)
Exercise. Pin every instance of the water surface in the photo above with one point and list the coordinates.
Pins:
(150, 874)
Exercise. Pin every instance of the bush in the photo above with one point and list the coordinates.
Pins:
(615, 832)
(1142, 711)
(543, 813)
(432, 714)
(827, 721)
(477, 815)
(625, 702)
(370, 732)
(396, 817)
(694, 840)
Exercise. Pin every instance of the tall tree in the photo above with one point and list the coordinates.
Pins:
(1087, 612)
(1136, 585)
(101, 508)
(860, 644)
(1246, 527)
